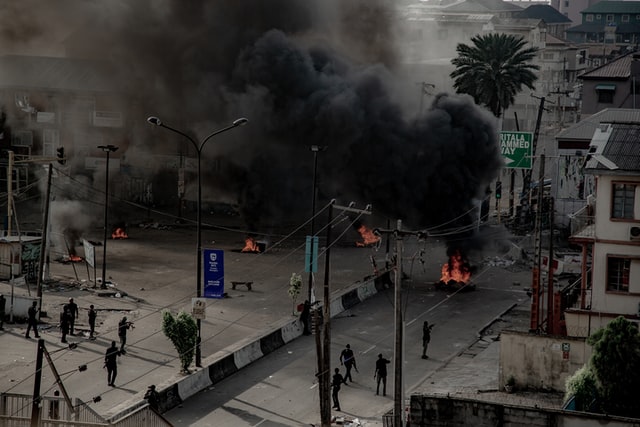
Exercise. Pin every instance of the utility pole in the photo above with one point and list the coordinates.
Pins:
(9, 192)
(536, 304)
(43, 241)
(323, 347)
(550, 319)
(398, 385)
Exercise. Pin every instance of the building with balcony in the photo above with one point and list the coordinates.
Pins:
(608, 230)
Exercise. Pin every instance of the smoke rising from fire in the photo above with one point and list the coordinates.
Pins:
(304, 73)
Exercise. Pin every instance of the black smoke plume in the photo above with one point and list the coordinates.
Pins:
(305, 73)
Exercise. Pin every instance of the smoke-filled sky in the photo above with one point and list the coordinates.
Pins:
(304, 72)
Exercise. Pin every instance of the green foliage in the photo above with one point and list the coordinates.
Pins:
(182, 330)
(615, 363)
(494, 69)
(295, 285)
(583, 386)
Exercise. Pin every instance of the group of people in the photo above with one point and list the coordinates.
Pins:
(348, 360)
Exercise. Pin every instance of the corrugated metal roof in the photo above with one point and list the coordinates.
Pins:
(545, 12)
(622, 149)
(629, 7)
(619, 68)
(585, 128)
(61, 74)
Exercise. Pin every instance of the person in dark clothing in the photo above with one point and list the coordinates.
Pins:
(152, 397)
(123, 325)
(305, 316)
(111, 363)
(32, 320)
(426, 338)
(65, 322)
(92, 322)
(348, 359)
(3, 305)
(336, 382)
(380, 374)
(72, 308)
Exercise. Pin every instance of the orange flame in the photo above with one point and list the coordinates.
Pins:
(368, 237)
(74, 258)
(456, 269)
(250, 245)
(119, 234)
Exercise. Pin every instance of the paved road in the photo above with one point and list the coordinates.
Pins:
(281, 389)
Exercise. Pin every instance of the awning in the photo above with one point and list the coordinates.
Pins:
(605, 87)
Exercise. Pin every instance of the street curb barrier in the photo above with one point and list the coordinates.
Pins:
(230, 360)
(248, 354)
(193, 383)
(271, 342)
(222, 368)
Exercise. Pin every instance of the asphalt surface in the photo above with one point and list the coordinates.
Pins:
(154, 270)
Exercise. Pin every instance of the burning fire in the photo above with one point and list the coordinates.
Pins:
(250, 245)
(368, 237)
(119, 234)
(74, 258)
(457, 269)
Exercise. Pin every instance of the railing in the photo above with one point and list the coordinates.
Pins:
(15, 411)
(583, 222)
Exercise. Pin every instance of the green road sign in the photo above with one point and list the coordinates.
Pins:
(517, 149)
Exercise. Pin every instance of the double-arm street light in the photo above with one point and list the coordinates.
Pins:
(198, 146)
(107, 149)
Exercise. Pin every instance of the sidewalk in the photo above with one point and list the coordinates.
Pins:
(150, 272)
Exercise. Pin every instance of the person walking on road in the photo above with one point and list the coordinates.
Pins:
(380, 374)
(348, 359)
(122, 333)
(72, 308)
(65, 323)
(3, 305)
(32, 320)
(426, 338)
(336, 382)
(92, 322)
(111, 363)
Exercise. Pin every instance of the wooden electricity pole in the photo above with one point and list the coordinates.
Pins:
(398, 385)
(323, 347)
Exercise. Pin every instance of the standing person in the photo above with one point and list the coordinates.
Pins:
(305, 316)
(111, 363)
(122, 333)
(32, 320)
(54, 406)
(72, 308)
(348, 359)
(426, 338)
(336, 382)
(3, 304)
(380, 374)
(65, 322)
(92, 322)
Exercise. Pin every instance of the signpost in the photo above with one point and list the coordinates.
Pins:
(517, 149)
(213, 273)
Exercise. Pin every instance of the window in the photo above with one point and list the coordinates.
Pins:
(618, 274)
(589, 18)
(623, 200)
(625, 18)
(605, 96)
(566, 3)
(598, 17)
(609, 18)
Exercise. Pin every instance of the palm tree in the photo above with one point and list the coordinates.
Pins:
(494, 69)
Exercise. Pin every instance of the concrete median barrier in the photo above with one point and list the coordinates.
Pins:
(271, 342)
(247, 354)
(193, 383)
(222, 368)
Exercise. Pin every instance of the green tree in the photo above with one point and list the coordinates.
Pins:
(494, 69)
(295, 285)
(615, 362)
(182, 330)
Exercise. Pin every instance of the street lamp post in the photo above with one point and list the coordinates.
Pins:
(107, 149)
(198, 146)
(314, 149)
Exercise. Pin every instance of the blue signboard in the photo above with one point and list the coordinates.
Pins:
(311, 254)
(213, 273)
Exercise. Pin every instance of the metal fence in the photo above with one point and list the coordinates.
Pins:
(16, 409)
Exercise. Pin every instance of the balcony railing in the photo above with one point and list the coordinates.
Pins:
(583, 223)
